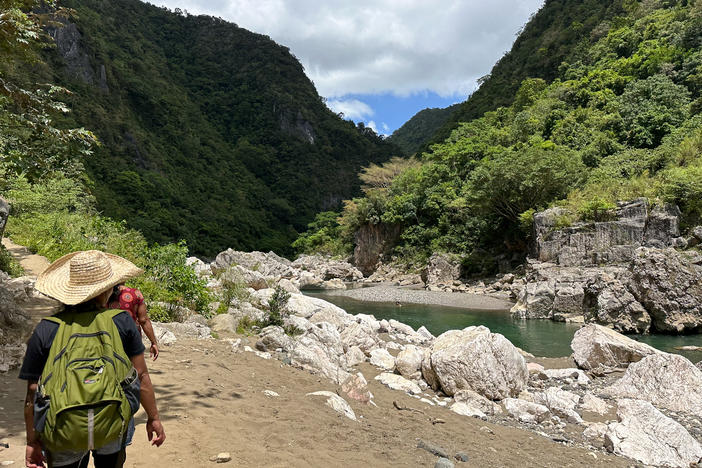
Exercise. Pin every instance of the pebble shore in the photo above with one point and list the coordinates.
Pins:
(409, 295)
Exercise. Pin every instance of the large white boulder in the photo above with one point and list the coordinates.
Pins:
(666, 380)
(647, 435)
(409, 362)
(476, 359)
(599, 348)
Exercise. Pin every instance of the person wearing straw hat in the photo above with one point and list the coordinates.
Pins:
(84, 281)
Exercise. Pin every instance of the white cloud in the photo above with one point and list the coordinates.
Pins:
(351, 108)
(376, 46)
(372, 126)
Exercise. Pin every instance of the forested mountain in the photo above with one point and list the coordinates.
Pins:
(421, 127)
(561, 29)
(208, 132)
(619, 120)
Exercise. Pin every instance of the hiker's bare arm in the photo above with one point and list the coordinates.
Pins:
(145, 323)
(33, 456)
(148, 401)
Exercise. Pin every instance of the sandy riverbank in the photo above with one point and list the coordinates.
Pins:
(211, 400)
(410, 295)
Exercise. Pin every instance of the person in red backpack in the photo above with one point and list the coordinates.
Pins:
(132, 301)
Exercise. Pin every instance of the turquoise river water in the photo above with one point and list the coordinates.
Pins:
(539, 337)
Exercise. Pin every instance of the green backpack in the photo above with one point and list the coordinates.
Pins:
(80, 403)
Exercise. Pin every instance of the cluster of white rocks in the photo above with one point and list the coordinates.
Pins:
(260, 270)
(651, 401)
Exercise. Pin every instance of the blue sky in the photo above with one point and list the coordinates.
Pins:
(382, 61)
(386, 112)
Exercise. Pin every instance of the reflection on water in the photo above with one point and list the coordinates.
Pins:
(540, 337)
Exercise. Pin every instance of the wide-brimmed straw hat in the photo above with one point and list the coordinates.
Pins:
(81, 276)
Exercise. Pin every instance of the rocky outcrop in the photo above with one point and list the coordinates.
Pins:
(599, 348)
(648, 436)
(478, 360)
(328, 268)
(620, 273)
(267, 264)
(15, 325)
(634, 224)
(442, 270)
(667, 380)
(669, 286)
(372, 242)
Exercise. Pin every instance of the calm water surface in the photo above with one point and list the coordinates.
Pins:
(540, 337)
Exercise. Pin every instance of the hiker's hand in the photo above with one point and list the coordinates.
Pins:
(153, 351)
(155, 426)
(34, 458)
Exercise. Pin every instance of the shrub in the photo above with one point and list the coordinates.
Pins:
(8, 264)
(277, 307)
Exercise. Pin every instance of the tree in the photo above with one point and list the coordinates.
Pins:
(30, 142)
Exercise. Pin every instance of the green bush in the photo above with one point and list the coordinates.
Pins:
(277, 307)
(8, 264)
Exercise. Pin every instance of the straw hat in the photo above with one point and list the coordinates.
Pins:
(80, 276)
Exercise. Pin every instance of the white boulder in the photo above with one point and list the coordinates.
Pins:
(599, 348)
(647, 435)
(476, 359)
(397, 382)
(336, 403)
(666, 380)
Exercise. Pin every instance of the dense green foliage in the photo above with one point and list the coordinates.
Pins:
(421, 128)
(41, 161)
(209, 132)
(619, 122)
(559, 31)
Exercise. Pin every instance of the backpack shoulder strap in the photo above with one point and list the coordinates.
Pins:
(54, 319)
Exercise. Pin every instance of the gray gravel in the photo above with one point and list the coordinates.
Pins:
(421, 296)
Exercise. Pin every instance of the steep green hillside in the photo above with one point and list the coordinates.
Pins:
(209, 132)
(421, 127)
(621, 122)
(560, 30)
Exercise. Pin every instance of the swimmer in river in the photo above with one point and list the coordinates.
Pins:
(398, 303)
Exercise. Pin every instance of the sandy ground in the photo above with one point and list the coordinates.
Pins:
(421, 296)
(211, 400)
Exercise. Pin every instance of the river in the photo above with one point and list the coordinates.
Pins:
(539, 337)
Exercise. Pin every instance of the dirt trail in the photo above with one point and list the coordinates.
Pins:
(211, 400)
(33, 264)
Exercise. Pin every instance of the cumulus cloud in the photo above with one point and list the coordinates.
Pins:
(378, 46)
(351, 108)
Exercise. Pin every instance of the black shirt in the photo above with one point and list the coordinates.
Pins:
(39, 344)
